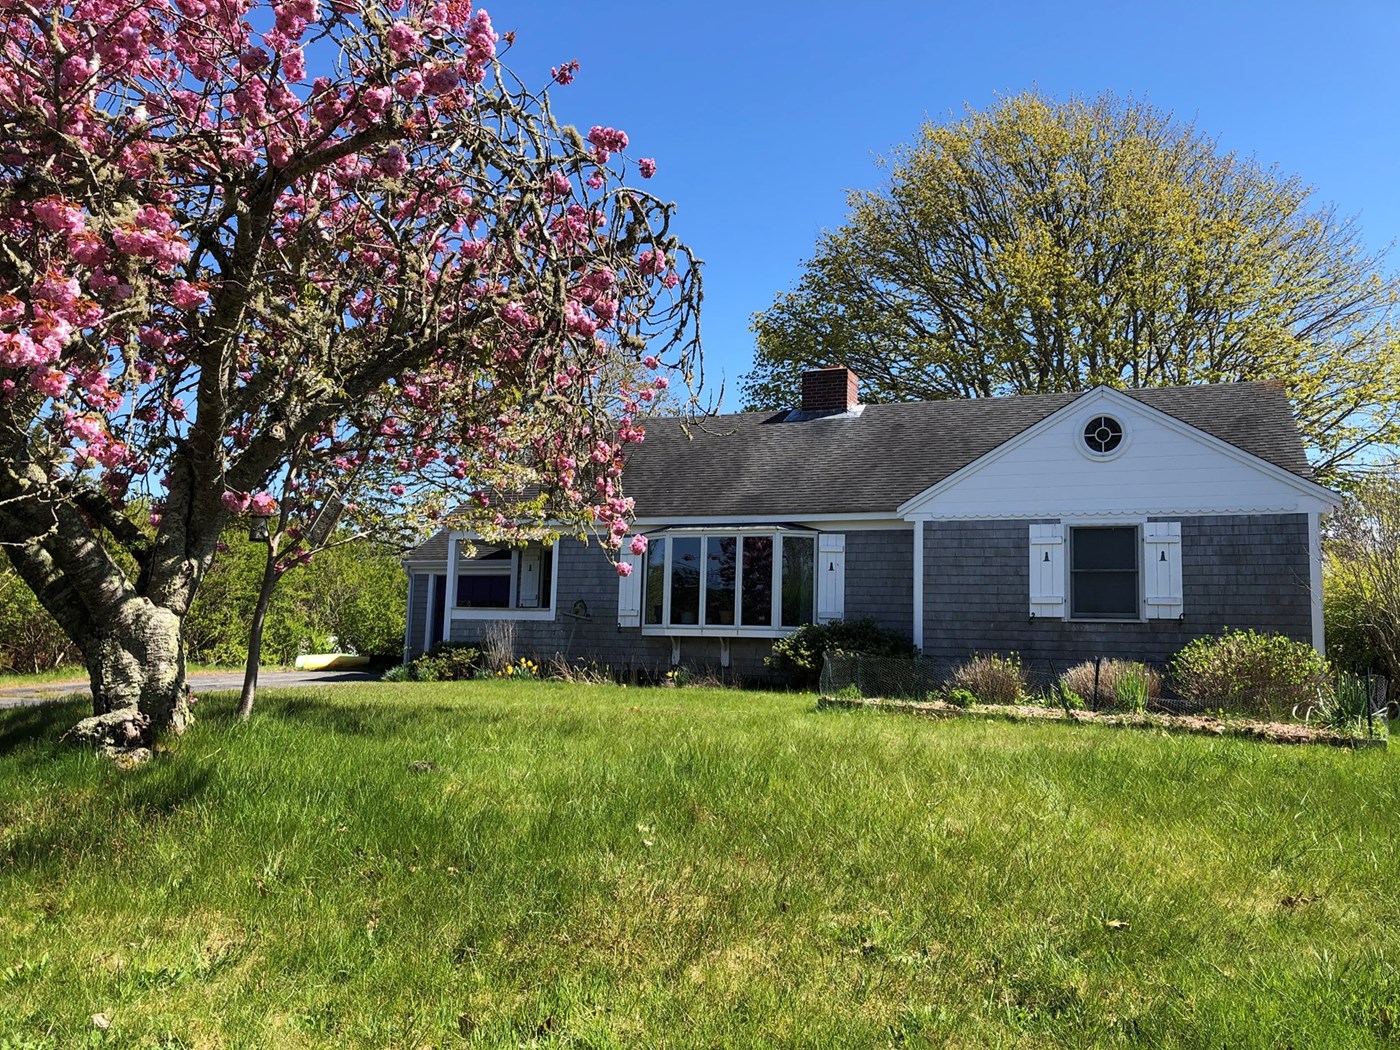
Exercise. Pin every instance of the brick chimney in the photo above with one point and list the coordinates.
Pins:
(833, 389)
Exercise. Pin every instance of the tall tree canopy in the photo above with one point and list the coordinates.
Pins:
(1041, 247)
(214, 263)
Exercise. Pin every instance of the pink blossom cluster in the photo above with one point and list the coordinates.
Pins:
(105, 348)
(259, 504)
(154, 236)
(606, 142)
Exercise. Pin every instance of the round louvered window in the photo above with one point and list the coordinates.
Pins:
(1103, 434)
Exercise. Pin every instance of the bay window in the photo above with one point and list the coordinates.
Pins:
(730, 580)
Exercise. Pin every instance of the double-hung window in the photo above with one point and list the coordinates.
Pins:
(730, 581)
(505, 578)
(1104, 573)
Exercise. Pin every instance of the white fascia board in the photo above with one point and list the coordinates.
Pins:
(1107, 396)
(821, 522)
(1108, 516)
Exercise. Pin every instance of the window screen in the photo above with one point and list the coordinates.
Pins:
(1104, 573)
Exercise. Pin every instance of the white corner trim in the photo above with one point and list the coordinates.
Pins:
(919, 584)
(408, 620)
(1319, 637)
(1106, 398)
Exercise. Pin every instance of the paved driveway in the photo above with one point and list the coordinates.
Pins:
(200, 681)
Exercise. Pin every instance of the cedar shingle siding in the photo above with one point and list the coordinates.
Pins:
(1237, 571)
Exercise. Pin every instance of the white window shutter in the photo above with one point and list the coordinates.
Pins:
(831, 576)
(1161, 569)
(629, 588)
(1047, 566)
(530, 578)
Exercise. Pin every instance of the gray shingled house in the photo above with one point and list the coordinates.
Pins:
(1061, 526)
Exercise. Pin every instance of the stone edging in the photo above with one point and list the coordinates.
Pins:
(1201, 725)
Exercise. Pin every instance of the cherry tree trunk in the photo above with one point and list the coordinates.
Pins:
(255, 637)
(137, 660)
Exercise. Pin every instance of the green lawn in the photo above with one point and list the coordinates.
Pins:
(608, 867)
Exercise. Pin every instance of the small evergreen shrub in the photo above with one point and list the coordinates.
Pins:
(446, 662)
(799, 655)
(991, 678)
(397, 673)
(1245, 672)
(957, 697)
(1062, 696)
(1122, 684)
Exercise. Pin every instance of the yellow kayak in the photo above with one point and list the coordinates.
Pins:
(330, 662)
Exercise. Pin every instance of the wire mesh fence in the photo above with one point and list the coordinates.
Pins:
(1359, 706)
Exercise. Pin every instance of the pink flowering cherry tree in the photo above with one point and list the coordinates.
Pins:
(244, 244)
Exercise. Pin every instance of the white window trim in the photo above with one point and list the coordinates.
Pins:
(455, 568)
(734, 630)
(1070, 525)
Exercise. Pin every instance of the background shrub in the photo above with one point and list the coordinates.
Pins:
(1361, 575)
(355, 594)
(352, 597)
(799, 656)
(1350, 612)
(1245, 672)
(992, 678)
(1121, 684)
(30, 639)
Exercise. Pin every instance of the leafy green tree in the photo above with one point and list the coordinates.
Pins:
(355, 593)
(1361, 581)
(1044, 246)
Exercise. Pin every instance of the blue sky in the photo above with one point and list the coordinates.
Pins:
(761, 116)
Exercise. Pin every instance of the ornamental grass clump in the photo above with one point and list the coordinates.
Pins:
(1344, 709)
(991, 678)
(1248, 673)
(1121, 684)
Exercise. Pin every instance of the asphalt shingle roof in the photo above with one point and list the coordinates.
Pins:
(763, 464)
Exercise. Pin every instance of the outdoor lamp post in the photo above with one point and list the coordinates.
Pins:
(257, 528)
